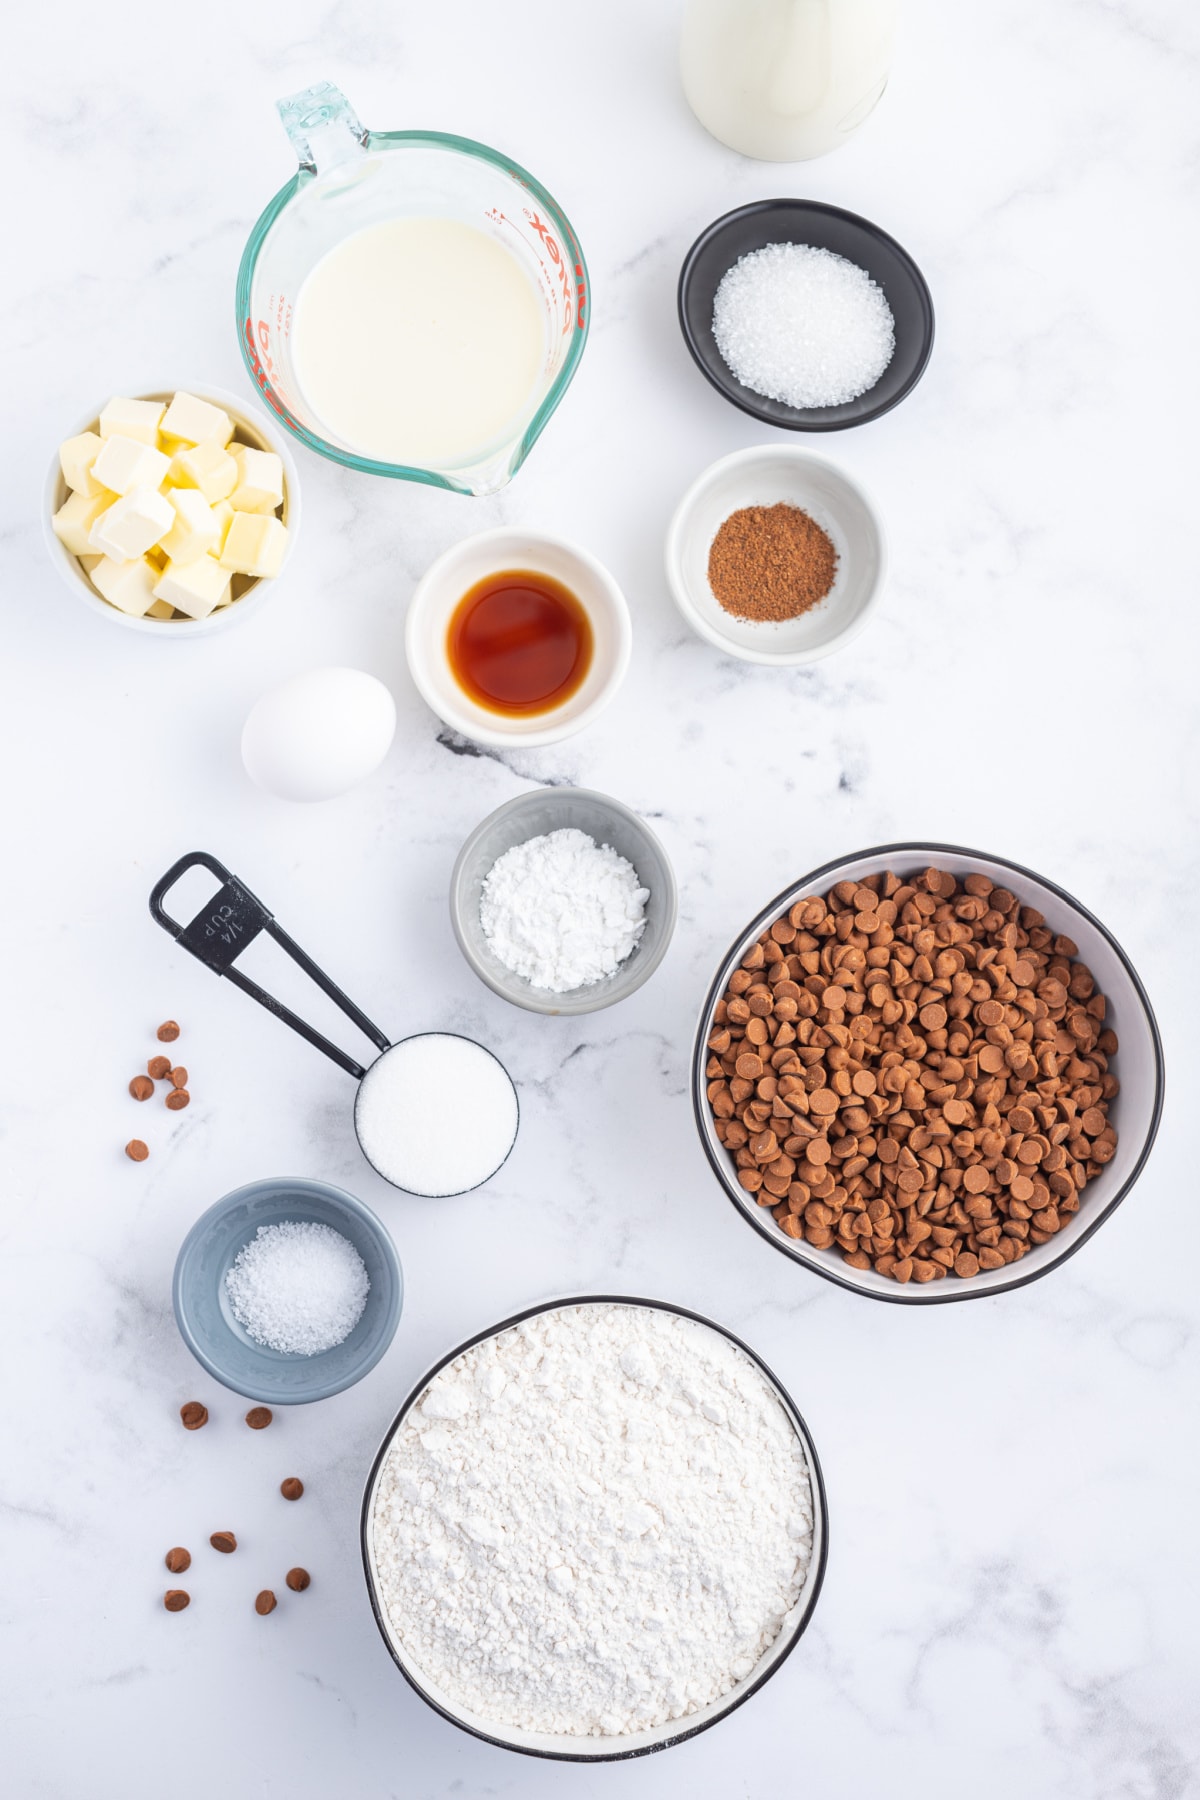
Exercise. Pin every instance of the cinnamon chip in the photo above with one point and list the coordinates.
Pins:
(915, 1073)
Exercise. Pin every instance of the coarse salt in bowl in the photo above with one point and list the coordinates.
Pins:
(204, 1307)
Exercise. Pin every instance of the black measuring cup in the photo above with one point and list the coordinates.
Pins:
(406, 1116)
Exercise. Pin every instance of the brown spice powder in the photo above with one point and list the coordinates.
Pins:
(771, 562)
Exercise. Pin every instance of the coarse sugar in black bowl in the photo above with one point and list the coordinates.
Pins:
(823, 227)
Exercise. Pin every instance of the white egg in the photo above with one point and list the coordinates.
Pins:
(318, 734)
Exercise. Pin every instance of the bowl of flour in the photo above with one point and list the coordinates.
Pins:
(594, 1529)
(563, 901)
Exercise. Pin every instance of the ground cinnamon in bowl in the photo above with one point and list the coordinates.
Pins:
(771, 563)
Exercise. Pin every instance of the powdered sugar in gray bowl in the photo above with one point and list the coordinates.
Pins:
(594, 1530)
(612, 968)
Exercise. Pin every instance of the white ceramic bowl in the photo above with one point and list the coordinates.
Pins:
(254, 428)
(1138, 1065)
(601, 1749)
(489, 553)
(765, 476)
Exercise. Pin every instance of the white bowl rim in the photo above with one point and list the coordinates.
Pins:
(777, 659)
(939, 1293)
(814, 1580)
(253, 598)
(532, 1001)
(466, 723)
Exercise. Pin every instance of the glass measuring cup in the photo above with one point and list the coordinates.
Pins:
(232, 919)
(351, 178)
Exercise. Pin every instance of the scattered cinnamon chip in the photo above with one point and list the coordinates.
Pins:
(141, 1087)
(178, 1098)
(298, 1580)
(177, 1077)
(136, 1150)
(159, 1067)
(292, 1488)
(259, 1417)
(224, 1541)
(175, 1599)
(194, 1414)
(178, 1559)
(167, 1032)
(265, 1603)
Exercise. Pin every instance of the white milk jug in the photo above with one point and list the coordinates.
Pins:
(785, 80)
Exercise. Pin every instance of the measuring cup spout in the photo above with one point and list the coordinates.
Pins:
(323, 127)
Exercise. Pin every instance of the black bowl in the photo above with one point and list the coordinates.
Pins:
(825, 228)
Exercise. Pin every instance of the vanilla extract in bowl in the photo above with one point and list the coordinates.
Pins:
(519, 643)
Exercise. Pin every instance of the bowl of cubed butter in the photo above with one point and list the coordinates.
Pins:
(174, 510)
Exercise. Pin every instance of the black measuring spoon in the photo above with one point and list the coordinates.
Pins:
(410, 1114)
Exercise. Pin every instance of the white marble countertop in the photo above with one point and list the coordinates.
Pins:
(1012, 1484)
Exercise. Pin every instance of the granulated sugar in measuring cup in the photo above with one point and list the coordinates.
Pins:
(411, 304)
(436, 1114)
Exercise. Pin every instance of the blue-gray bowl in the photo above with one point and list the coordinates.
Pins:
(214, 1337)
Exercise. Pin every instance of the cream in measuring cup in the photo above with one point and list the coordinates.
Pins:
(411, 304)
(418, 340)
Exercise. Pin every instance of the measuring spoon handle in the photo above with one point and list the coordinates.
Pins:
(223, 928)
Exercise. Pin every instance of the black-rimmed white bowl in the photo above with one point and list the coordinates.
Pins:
(888, 263)
(602, 1749)
(1138, 1066)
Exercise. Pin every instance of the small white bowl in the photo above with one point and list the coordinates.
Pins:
(764, 476)
(253, 428)
(490, 553)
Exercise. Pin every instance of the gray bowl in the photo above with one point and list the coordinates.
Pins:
(608, 822)
(225, 1349)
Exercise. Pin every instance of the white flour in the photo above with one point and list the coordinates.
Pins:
(561, 910)
(594, 1523)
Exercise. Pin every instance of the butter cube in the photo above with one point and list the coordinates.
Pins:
(222, 512)
(193, 588)
(74, 519)
(125, 463)
(208, 467)
(129, 586)
(76, 457)
(133, 524)
(132, 419)
(254, 544)
(260, 480)
(195, 528)
(162, 609)
(196, 421)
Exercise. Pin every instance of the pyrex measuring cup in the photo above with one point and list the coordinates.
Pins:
(406, 1119)
(351, 178)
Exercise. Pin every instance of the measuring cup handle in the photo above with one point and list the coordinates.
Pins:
(323, 127)
(230, 921)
